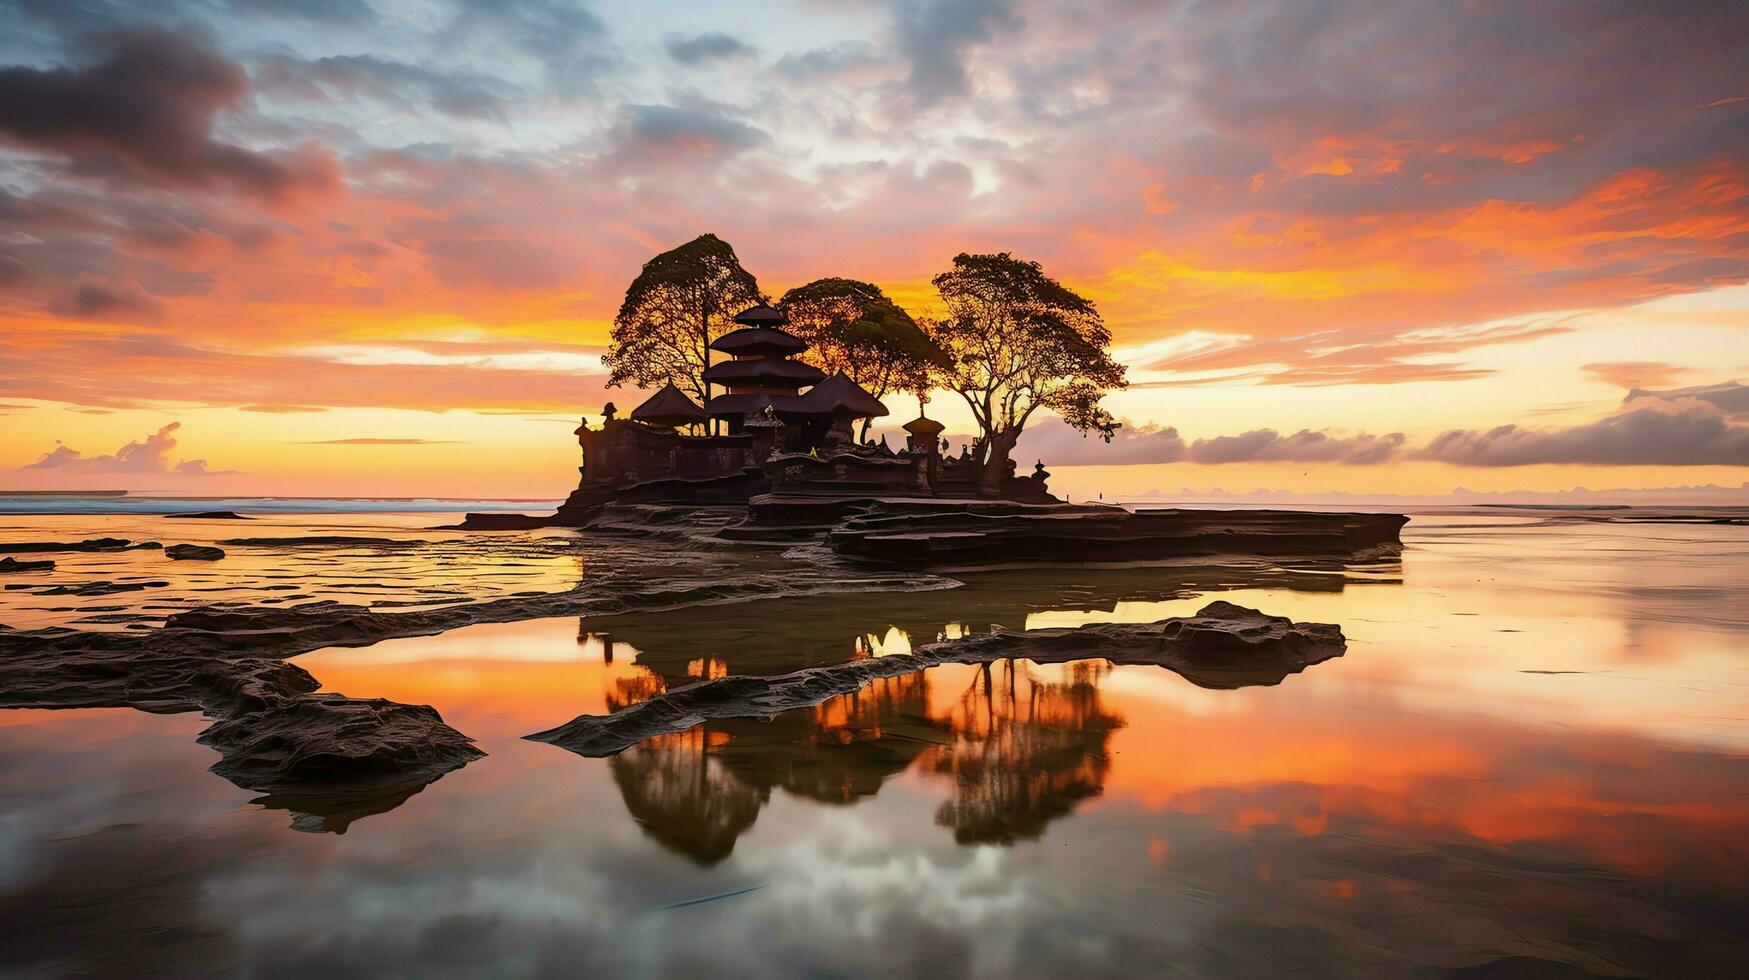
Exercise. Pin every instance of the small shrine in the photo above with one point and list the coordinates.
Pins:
(780, 425)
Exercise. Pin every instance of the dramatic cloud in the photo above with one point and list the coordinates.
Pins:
(1054, 442)
(1289, 198)
(936, 36)
(1058, 444)
(1730, 397)
(150, 455)
(149, 110)
(1682, 432)
(709, 46)
(1304, 446)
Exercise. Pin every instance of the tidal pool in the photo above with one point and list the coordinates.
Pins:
(1534, 755)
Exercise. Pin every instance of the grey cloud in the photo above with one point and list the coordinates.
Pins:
(119, 301)
(655, 133)
(830, 62)
(1058, 444)
(1054, 442)
(566, 37)
(346, 12)
(146, 110)
(462, 94)
(935, 36)
(1682, 432)
(13, 271)
(1304, 446)
(1730, 397)
(709, 46)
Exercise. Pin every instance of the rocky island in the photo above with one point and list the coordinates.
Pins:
(775, 459)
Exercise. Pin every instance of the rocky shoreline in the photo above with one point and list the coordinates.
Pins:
(330, 758)
(327, 757)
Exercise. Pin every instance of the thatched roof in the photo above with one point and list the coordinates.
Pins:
(770, 372)
(724, 405)
(842, 397)
(761, 315)
(759, 340)
(669, 407)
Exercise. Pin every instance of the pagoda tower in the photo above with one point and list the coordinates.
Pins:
(762, 369)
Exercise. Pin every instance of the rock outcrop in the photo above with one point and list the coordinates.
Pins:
(89, 544)
(193, 552)
(1222, 646)
(961, 534)
(272, 732)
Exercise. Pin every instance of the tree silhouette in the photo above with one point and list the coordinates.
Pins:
(682, 300)
(1021, 341)
(853, 327)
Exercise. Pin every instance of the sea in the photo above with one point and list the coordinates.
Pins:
(1532, 760)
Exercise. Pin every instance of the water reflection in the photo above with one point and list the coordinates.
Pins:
(1018, 746)
(1025, 751)
(1418, 807)
(683, 798)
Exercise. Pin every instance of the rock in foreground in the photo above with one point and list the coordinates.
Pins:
(327, 757)
(1222, 646)
(193, 552)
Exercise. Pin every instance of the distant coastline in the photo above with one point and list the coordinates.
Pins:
(121, 503)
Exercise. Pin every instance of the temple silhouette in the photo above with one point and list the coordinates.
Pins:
(782, 426)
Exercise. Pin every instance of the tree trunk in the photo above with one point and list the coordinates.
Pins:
(999, 446)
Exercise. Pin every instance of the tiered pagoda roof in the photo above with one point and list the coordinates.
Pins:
(763, 373)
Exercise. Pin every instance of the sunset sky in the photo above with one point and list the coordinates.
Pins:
(364, 247)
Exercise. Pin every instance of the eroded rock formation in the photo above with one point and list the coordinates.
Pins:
(957, 534)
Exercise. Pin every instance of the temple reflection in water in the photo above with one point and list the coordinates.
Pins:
(1018, 747)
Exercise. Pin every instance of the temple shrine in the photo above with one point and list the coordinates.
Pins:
(779, 427)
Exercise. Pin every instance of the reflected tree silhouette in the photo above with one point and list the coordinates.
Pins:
(1025, 751)
(840, 751)
(685, 799)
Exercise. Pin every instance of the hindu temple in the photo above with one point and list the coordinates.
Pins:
(780, 425)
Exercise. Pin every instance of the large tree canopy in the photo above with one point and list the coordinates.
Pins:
(1020, 341)
(853, 327)
(682, 300)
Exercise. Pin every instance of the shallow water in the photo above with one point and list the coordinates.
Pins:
(1536, 747)
(397, 561)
